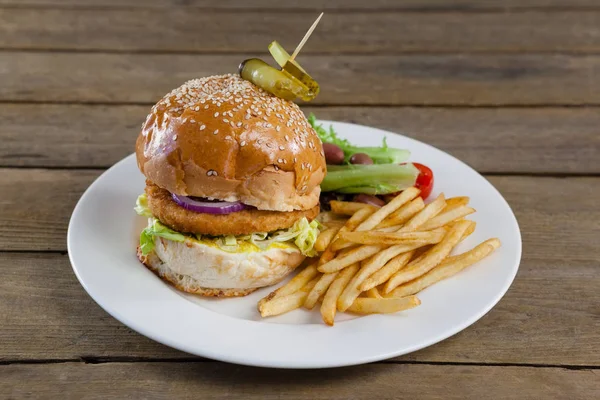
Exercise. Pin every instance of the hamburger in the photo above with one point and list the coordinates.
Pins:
(232, 187)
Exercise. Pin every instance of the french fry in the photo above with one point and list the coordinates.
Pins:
(430, 211)
(325, 238)
(329, 305)
(421, 252)
(319, 289)
(374, 219)
(433, 257)
(379, 215)
(446, 217)
(295, 284)
(350, 225)
(389, 269)
(373, 293)
(283, 304)
(374, 237)
(349, 207)
(388, 229)
(469, 230)
(446, 269)
(403, 214)
(365, 305)
(368, 268)
(329, 216)
(353, 256)
(338, 223)
(454, 202)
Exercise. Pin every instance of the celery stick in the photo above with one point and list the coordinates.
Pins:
(370, 176)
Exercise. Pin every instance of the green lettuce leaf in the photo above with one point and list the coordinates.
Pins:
(155, 228)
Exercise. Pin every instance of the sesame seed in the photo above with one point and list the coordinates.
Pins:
(281, 148)
(215, 132)
(243, 143)
(278, 128)
(239, 124)
(231, 123)
(280, 160)
(197, 108)
(174, 137)
(276, 168)
(295, 159)
(216, 114)
(287, 138)
(202, 127)
(225, 120)
(206, 107)
(247, 116)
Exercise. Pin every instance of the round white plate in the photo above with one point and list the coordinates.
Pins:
(103, 234)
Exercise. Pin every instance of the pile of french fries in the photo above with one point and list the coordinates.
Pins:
(376, 259)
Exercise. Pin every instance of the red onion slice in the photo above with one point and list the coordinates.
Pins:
(208, 207)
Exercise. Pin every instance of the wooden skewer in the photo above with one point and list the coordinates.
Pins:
(305, 38)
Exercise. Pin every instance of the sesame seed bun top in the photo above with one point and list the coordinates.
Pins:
(222, 137)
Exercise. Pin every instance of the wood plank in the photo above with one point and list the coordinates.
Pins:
(217, 381)
(359, 5)
(496, 140)
(36, 206)
(197, 30)
(476, 80)
(549, 316)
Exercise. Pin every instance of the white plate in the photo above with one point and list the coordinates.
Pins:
(104, 231)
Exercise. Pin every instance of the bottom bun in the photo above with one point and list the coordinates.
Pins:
(196, 268)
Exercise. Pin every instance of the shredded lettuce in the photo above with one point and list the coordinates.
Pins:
(303, 234)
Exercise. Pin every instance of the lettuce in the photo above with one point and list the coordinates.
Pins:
(380, 155)
(141, 206)
(155, 228)
(303, 234)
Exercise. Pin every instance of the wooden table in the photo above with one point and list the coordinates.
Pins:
(511, 87)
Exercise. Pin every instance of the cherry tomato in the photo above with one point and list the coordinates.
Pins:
(424, 180)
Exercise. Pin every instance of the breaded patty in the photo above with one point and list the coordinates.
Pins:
(242, 222)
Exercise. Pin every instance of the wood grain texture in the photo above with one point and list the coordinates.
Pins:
(549, 316)
(347, 79)
(217, 381)
(333, 5)
(496, 140)
(197, 30)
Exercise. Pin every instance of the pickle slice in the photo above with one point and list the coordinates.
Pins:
(282, 58)
(278, 52)
(280, 83)
(292, 68)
